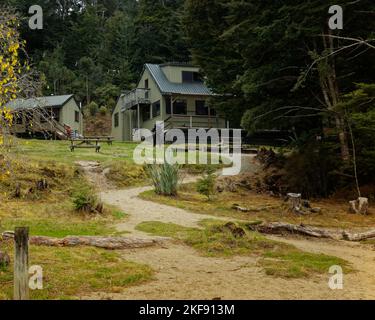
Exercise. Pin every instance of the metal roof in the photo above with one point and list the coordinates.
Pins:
(49, 101)
(167, 87)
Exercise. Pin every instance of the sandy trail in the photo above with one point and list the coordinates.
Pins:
(181, 273)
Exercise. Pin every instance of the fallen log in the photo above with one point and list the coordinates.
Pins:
(358, 236)
(239, 208)
(282, 228)
(110, 243)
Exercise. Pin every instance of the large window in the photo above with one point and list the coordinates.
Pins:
(189, 76)
(76, 116)
(200, 108)
(116, 120)
(180, 107)
(156, 109)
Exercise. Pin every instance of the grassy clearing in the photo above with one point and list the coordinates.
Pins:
(59, 151)
(277, 259)
(71, 272)
(262, 207)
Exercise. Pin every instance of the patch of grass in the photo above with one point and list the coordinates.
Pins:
(118, 215)
(59, 228)
(71, 272)
(296, 264)
(215, 240)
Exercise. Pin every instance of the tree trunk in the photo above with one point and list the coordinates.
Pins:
(110, 243)
(331, 93)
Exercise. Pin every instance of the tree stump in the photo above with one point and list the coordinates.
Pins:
(295, 202)
(359, 206)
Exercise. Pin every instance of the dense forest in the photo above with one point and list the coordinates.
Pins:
(273, 64)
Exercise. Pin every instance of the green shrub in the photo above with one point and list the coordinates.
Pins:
(93, 108)
(206, 185)
(103, 110)
(165, 178)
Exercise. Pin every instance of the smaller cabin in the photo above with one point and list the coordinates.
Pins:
(57, 116)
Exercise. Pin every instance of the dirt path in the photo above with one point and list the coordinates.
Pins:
(181, 273)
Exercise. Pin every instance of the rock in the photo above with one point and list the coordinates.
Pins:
(4, 259)
(316, 210)
(106, 171)
(236, 231)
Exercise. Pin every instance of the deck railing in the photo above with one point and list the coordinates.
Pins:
(196, 121)
(136, 96)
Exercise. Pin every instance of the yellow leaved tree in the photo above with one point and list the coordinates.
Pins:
(16, 80)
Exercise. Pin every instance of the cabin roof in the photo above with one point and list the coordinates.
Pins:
(167, 87)
(48, 101)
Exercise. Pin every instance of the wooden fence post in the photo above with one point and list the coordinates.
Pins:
(21, 263)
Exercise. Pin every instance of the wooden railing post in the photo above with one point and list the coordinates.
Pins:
(21, 263)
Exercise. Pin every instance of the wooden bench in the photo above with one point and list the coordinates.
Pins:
(85, 144)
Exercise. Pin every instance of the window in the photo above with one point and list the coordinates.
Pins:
(19, 118)
(116, 120)
(180, 107)
(147, 91)
(76, 116)
(201, 108)
(189, 76)
(146, 114)
(56, 114)
(156, 109)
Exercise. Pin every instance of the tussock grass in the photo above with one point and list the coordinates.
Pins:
(276, 258)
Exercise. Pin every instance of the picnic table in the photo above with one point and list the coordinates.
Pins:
(85, 143)
(107, 139)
